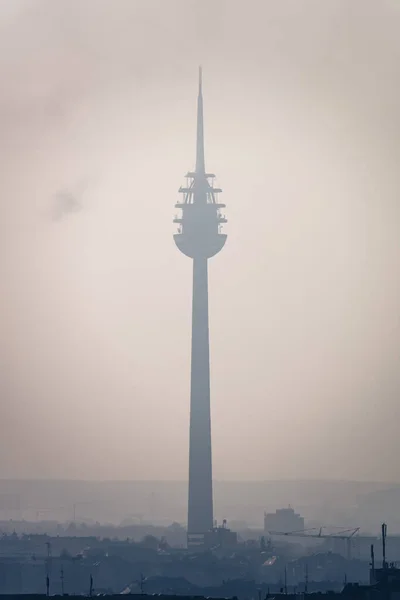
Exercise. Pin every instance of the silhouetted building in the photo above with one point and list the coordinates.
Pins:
(283, 520)
(388, 576)
(199, 237)
(220, 537)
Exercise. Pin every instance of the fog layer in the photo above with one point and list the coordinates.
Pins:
(97, 118)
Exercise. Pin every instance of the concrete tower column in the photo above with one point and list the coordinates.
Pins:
(200, 509)
(199, 237)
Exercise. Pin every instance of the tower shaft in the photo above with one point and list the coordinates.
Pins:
(199, 237)
(200, 510)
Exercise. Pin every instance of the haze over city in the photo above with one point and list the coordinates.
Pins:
(97, 113)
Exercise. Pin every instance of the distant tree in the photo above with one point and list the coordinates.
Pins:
(176, 527)
(150, 541)
(71, 529)
(163, 545)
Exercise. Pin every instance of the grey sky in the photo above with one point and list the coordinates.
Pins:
(302, 128)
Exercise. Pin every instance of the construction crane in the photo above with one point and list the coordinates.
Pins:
(342, 534)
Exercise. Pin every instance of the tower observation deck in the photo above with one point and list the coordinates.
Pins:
(200, 237)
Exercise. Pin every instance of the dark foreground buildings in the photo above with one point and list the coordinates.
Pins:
(199, 237)
(250, 571)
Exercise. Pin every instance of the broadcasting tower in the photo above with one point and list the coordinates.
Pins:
(199, 237)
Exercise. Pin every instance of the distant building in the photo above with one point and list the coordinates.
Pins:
(283, 520)
(388, 576)
(217, 537)
(221, 537)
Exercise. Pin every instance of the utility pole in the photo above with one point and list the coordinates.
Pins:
(48, 568)
(285, 581)
(91, 586)
(372, 577)
(142, 580)
(62, 580)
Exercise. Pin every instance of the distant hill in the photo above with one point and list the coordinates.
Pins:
(339, 503)
(382, 505)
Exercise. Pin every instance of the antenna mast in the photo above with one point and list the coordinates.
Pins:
(384, 533)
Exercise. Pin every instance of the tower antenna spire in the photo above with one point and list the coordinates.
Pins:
(200, 162)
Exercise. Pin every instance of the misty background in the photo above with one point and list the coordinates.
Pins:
(97, 118)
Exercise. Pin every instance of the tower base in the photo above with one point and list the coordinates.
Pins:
(217, 537)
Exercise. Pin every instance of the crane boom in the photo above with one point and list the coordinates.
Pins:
(343, 534)
(340, 535)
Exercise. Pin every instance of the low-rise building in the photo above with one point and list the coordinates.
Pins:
(283, 520)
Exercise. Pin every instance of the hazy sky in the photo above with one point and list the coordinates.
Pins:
(97, 104)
